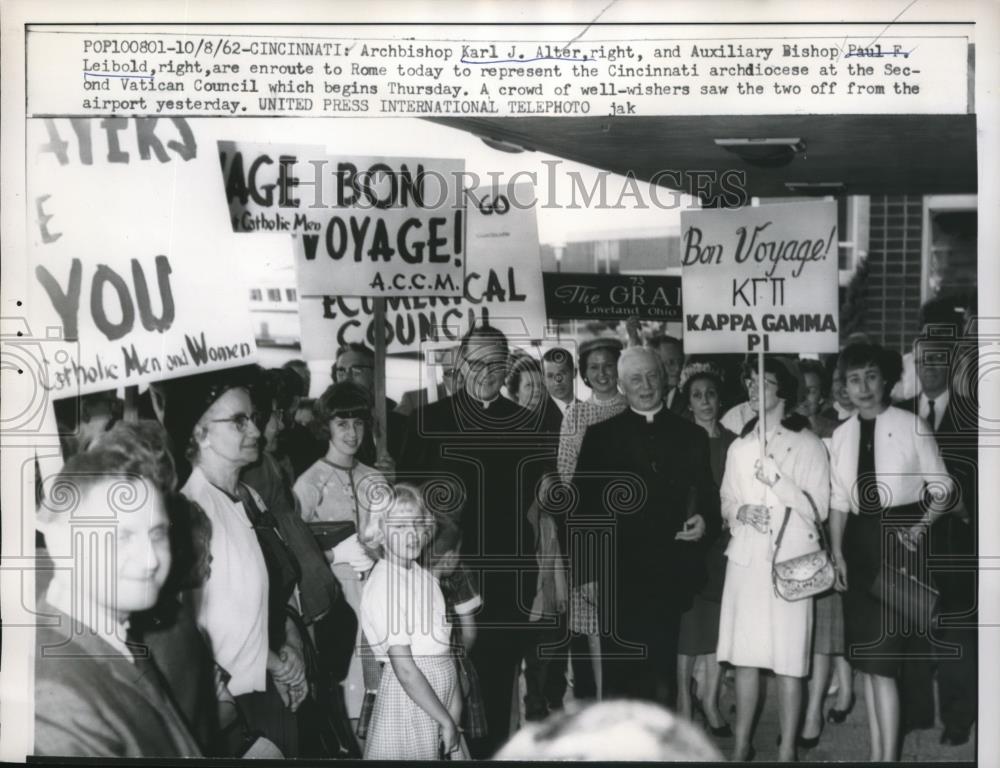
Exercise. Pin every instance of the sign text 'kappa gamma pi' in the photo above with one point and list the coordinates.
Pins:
(761, 279)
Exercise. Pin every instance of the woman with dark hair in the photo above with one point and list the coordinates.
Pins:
(764, 500)
(886, 471)
(340, 489)
(817, 384)
(525, 383)
(701, 387)
(598, 366)
(828, 631)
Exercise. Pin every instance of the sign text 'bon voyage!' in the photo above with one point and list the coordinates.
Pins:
(363, 226)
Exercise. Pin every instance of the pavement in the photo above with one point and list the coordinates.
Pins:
(846, 742)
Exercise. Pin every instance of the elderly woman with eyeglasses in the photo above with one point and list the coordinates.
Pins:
(242, 606)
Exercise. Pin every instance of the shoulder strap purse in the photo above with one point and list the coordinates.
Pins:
(806, 575)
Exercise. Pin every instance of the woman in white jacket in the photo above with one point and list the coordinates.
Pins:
(757, 629)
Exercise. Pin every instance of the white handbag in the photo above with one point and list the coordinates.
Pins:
(806, 575)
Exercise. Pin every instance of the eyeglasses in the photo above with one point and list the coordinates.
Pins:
(934, 357)
(240, 420)
(751, 383)
(492, 366)
(354, 371)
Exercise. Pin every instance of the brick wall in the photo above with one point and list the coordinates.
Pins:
(892, 291)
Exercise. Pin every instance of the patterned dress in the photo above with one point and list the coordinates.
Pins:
(578, 417)
(406, 607)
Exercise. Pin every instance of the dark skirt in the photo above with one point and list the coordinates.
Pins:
(875, 642)
(828, 626)
(699, 631)
(266, 714)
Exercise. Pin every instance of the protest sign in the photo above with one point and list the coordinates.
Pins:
(264, 185)
(761, 279)
(363, 226)
(133, 276)
(582, 296)
(502, 287)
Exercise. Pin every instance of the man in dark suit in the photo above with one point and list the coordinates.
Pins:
(98, 693)
(491, 450)
(952, 416)
(643, 492)
(444, 362)
(670, 351)
(560, 374)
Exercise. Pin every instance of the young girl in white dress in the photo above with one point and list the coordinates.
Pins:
(404, 618)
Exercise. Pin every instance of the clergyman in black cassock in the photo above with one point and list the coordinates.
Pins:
(643, 479)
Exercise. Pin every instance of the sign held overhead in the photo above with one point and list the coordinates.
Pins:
(130, 296)
(501, 287)
(364, 226)
(761, 279)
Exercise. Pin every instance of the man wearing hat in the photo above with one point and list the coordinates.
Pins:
(241, 607)
(491, 449)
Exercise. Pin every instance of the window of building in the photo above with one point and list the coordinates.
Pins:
(853, 214)
(274, 294)
(951, 235)
(256, 295)
(290, 294)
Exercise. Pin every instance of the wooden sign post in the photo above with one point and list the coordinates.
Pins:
(380, 415)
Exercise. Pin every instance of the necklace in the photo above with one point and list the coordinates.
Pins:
(346, 488)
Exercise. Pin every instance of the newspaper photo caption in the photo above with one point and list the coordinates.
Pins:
(323, 72)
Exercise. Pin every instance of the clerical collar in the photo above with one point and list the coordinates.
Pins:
(485, 403)
(648, 414)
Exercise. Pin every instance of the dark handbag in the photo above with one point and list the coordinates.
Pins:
(904, 594)
(323, 719)
(806, 575)
(329, 535)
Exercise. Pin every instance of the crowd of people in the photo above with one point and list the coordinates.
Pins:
(244, 572)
